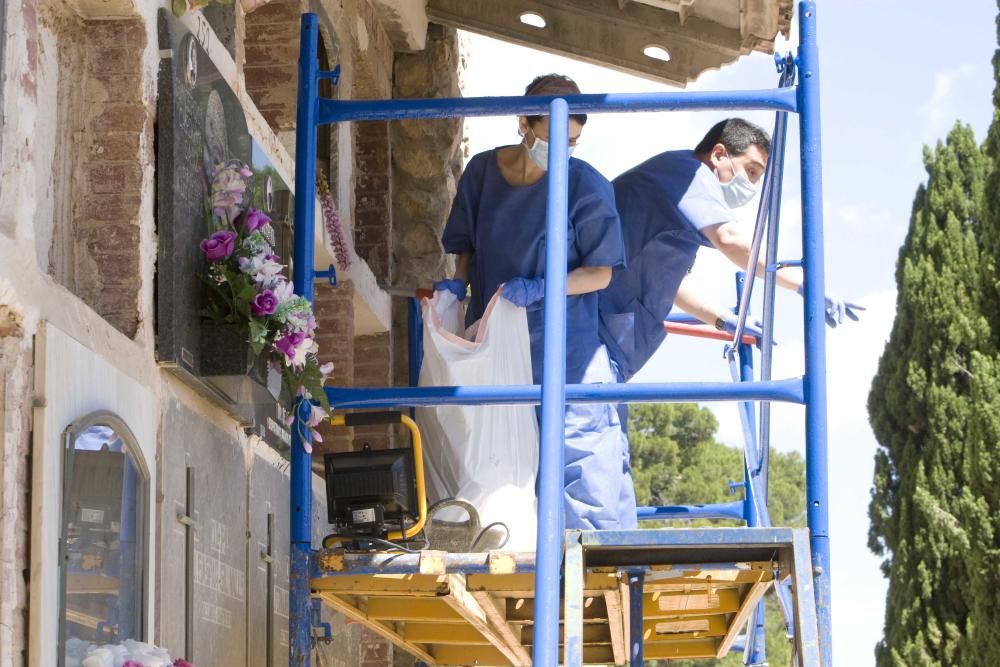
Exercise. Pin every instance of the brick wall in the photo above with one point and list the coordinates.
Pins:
(373, 368)
(334, 307)
(107, 195)
(271, 68)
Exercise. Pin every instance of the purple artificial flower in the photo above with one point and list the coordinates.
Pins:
(245, 171)
(251, 220)
(132, 663)
(181, 662)
(264, 303)
(218, 246)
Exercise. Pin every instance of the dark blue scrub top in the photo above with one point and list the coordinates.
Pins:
(504, 227)
(664, 203)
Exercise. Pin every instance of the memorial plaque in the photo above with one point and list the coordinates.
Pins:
(201, 124)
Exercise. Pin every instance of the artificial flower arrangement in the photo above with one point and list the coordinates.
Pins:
(247, 287)
(129, 653)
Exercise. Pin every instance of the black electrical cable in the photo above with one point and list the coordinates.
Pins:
(483, 532)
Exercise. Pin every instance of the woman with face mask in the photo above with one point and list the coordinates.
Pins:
(497, 229)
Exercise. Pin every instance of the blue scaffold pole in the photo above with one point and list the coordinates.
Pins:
(545, 651)
(302, 275)
(817, 483)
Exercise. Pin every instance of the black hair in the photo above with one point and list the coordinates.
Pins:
(737, 135)
(554, 84)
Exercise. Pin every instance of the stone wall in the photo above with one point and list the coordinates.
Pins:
(426, 165)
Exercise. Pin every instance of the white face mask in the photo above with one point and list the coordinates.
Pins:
(739, 191)
(539, 152)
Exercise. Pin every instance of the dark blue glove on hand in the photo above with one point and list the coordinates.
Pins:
(524, 291)
(456, 287)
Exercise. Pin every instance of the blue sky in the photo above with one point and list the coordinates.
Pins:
(895, 75)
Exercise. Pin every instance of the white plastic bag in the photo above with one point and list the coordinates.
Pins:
(487, 455)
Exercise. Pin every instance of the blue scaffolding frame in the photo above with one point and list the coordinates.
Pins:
(801, 98)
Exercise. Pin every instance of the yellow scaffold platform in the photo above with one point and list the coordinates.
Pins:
(478, 609)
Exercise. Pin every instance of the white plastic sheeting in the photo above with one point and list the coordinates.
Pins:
(487, 455)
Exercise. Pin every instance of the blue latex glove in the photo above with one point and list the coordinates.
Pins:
(750, 327)
(456, 287)
(837, 309)
(524, 291)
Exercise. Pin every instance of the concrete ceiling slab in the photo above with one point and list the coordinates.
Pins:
(695, 35)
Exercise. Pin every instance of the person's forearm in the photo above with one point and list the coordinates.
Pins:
(462, 266)
(736, 247)
(690, 302)
(587, 279)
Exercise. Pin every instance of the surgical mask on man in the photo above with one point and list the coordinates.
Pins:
(539, 152)
(739, 191)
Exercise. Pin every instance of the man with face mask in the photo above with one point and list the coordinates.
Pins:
(670, 205)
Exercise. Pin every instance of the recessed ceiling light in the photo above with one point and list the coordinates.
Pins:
(533, 19)
(656, 53)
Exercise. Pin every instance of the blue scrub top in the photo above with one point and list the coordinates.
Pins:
(504, 228)
(664, 204)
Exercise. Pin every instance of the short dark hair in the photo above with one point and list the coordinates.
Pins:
(737, 135)
(554, 84)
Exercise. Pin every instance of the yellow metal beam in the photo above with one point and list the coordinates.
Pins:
(687, 627)
(412, 609)
(470, 655)
(443, 633)
(694, 648)
(464, 604)
(411, 585)
(350, 611)
(523, 585)
(522, 610)
(690, 603)
(594, 634)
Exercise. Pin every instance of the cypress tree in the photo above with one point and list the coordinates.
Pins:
(922, 405)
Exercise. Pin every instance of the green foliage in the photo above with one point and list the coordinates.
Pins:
(933, 410)
(677, 461)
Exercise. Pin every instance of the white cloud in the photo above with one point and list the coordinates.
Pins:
(945, 104)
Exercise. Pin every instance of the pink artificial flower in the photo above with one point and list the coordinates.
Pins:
(132, 663)
(181, 662)
(245, 171)
(251, 220)
(228, 188)
(317, 415)
(264, 303)
(218, 246)
(295, 345)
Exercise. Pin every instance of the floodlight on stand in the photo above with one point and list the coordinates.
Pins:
(371, 492)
